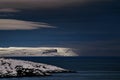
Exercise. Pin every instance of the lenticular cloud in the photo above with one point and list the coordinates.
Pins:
(9, 10)
(32, 4)
(11, 24)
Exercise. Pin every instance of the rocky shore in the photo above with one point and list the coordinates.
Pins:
(20, 68)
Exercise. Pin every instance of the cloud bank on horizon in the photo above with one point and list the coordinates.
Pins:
(37, 51)
(12, 24)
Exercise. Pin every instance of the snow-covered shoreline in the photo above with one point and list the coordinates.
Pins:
(20, 68)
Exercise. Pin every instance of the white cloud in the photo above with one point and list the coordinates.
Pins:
(12, 24)
(37, 51)
(23, 4)
(9, 10)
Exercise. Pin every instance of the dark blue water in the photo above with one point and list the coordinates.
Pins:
(88, 68)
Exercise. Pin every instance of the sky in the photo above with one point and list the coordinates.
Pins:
(92, 27)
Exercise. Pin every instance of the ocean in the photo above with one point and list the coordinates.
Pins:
(88, 68)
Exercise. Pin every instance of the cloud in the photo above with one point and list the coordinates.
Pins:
(37, 51)
(9, 10)
(38, 4)
(12, 24)
(95, 48)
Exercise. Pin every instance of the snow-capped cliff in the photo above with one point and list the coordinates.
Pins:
(19, 68)
(37, 51)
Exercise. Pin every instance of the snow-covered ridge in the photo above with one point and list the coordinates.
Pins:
(19, 68)
(37, 51)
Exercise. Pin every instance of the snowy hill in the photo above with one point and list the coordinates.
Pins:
(37, 51)
(20, 68)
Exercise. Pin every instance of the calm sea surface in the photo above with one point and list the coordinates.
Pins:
(88, 68)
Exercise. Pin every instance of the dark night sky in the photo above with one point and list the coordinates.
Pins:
(93, 28)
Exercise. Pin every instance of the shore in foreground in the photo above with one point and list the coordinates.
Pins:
(20, 68)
